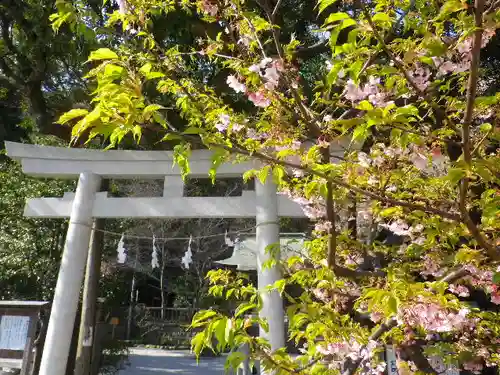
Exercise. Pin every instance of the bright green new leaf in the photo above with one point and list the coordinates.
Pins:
(323, 4)
(102, 54)
(451, 6)
(334, 17)
(71, 115)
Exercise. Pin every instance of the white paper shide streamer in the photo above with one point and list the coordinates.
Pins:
(121, 250)
(228, 240)
(154, 255)
(187, 259)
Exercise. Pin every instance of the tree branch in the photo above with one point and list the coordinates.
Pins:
(335, 181)
(466, 123)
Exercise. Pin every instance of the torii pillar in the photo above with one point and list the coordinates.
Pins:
(69, 281)
(267, 234)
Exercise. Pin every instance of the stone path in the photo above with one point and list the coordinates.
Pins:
(162, 362)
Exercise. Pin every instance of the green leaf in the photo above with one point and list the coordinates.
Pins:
(334, 17)
(393, 304)
(279, 174)
(360, 133)
(72, 114)
(381, 17)
(240, 310)
(449, 7)
(234, 360)
(171, 137)
(153, 75)
(201, 317)
(102, 54)
(112, 71)
(197, 343)
(220, 333)
(150, 110)
(496, 278)
(455, 175)
(145, 69)
(365, 105)
(218, 158)
(248, 175)
(323, 4)
(137, 133)
(390, 212)
(486, 127)
(263, 174)
(193, 130)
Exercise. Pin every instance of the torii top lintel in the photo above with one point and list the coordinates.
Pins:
(61, 162)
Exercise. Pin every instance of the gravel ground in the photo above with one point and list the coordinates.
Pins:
(158, 362)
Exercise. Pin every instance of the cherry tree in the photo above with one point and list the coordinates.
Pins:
(401, 88)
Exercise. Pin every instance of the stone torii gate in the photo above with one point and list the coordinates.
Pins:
(90, 166)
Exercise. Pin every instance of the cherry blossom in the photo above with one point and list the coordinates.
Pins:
(431, 267)
(371, 91)
(209, 7)
(432, 317)
(245, 40)
(419, 160)
(353, 92)
(420, 77)
(235, 84)
(376, 317)
(473, 366)
(495, 298)
(259, 99)
(398, 227)
(237, 127)
(269, 70)
(272, 77)
(224, 121)
(323, 226)
(253, 134)
(460, 290)
(364, 160)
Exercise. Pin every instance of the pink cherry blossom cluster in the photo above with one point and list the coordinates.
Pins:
(371, 91)
(224, 122)
(434, 318)
(430, 161)
(379, 155)
(463, 55)
(438, 165)
(400, 228)
(209, 7)
(432, 267)
(483, 279)
(420, 77)
(259, 98)
(473, 366)
(314, 208)
(337, 352)
(269, 70)
(459, 290)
